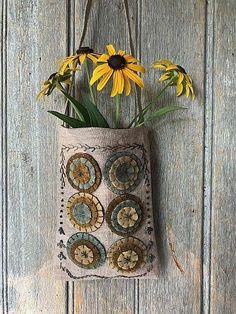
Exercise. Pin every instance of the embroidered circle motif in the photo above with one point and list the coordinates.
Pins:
(83, 172)
(123, 172)
(85, 212)
(127, 254)
(85, 250)
(124, 215)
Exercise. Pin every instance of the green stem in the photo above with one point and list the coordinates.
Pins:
(143, 112)
(88, 77)
(117, 100)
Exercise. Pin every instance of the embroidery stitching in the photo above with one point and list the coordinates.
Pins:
(124, 214)
(86, 147)
(85, 250)
(85, 212)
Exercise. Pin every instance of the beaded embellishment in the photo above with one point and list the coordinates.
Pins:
(85, 250)
(83, 172)
(85, 212)
(124, 215)
(127, 254)
(123, 172)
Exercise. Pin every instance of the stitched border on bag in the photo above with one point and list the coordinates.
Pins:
(88, 148)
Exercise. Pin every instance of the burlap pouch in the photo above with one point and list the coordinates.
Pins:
(105, 218)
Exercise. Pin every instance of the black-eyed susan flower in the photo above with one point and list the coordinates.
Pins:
(178, 76)
(73, 61)
(119, 65)
(55, 80)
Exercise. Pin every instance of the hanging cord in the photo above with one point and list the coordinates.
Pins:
(86, 17)
(85, 26)
(137, 90)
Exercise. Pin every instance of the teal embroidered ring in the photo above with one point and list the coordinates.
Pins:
(124, 215)
(85, 212)
(123, 172)
(85, 250)
(83, 172)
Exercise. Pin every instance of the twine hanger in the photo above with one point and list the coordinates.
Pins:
(84, 31)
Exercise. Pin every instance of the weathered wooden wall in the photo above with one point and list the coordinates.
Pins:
(193, 154)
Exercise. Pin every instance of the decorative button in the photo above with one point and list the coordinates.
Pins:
(124, 215)
(127, 255)
(83, 172)
(85, 212)
(85, 250)
(123, 172)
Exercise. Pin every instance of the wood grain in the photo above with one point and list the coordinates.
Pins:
(107, 24)
(31, 163)
(3, 159)
(177, 158)
(223, 256)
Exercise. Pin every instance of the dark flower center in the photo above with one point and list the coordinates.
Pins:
(82, 50)
(116, 62)
(181, 69)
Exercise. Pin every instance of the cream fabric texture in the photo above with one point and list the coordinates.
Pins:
(105, 215)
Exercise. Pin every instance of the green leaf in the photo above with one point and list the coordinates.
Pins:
(74, 123)
(97, 119)
(160, 112)
(80, 109)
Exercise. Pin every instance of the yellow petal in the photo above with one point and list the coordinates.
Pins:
(120, 82)
(172, 67)
(187, 91)
(111, 50)
(104, 80)
(82, 58)
(164, 77)
(41, 93)
(63, 68)
(158, 66)
(165, 62)
(180, 78)
(114, 90)
(134, 77)
(127, 85)
(189, 78)
(130, 58)
(192, 91)
(92, 57)
(136, 67)
(121, 52)
(179, 89)
(97, 75)
(99, 68)
(65, 63)
(103, 58)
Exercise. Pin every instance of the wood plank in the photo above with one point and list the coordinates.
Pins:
(107, 24)
(206, 256)
(176, 31)
(36, 35)
(3, 266)
(223, 256)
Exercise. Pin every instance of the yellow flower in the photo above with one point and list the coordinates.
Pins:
(119, 65)
(55, 80)
(72, 62)
(183, 80)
